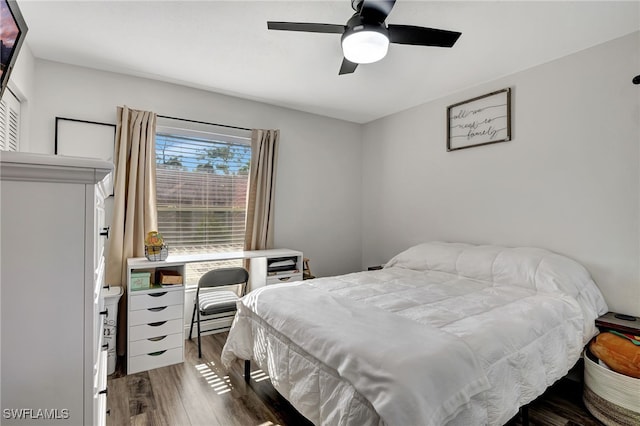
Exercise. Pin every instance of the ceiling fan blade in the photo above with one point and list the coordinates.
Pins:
(347, 67)
(409, 34)
(376, 10)
(309, 27)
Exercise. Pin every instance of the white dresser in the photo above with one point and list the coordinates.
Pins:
(155, 336)
(52, 359)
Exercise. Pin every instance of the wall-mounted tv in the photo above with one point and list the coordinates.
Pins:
(13, 29)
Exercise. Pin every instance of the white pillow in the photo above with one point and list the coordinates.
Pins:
(538, 269)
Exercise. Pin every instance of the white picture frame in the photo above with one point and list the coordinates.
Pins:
(82, 138)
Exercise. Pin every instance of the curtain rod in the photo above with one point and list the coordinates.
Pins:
(203, 122)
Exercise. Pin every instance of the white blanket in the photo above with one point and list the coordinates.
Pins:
(525, 314)
(381, 354)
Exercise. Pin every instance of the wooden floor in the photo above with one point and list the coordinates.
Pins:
(197, 392)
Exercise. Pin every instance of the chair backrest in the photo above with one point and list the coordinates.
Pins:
(223, 277)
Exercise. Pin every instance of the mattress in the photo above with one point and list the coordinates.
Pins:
(347, 350)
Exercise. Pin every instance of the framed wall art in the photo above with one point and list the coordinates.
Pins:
(479, 121)
(82, 138)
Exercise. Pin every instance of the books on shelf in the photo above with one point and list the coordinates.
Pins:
(281, 264)
(285, 272)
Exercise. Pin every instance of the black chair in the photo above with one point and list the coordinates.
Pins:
(214, 302)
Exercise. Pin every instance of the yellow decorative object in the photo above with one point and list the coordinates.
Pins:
(154, 239)
(154, 247)
(153, 250)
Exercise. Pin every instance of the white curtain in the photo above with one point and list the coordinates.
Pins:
(134, 211)
(262, 187)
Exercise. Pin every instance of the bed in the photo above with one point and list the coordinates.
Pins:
(444, 334)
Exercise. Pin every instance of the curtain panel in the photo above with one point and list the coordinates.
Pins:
(134, 211)
(262, 186)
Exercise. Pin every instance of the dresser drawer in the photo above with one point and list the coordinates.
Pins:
(99, 239)
(154, 360)
(100, 373)
(104, 188)
(284, 278)
(156, 299)
(155, 344)
(149, 315)
(98, 327)
(145, 331)
(100, 392)
(98, 344)
(100, 410)
(98, 277)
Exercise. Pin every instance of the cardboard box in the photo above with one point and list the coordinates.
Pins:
(169, 277)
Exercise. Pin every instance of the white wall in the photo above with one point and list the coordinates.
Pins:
(319, 169)
(568, 181)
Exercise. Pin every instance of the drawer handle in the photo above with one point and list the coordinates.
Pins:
(284, 278)
(105, 346)
(157, 353)
(105, 312)
(156, 324)
(103, 392)
(162, 293)
(156, 339)
(104, 232)
(158, 309)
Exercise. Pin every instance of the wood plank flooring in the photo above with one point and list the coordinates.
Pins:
(198, 392)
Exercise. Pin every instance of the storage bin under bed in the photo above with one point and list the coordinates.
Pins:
(611, 397)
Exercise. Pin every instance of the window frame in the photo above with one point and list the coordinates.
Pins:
(200, 132)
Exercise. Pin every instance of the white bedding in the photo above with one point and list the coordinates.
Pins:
(513, 319)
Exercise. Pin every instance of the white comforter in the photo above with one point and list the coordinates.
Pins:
(348, 349)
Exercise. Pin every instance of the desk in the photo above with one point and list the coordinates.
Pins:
(156, 315)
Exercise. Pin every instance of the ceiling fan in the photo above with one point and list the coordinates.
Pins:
(366, 37)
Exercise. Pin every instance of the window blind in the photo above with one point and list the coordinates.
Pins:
(9, 121)
(201, 190)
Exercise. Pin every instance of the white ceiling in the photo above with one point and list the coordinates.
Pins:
(225, 47)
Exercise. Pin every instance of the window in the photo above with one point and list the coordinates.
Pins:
(9, 121)
(201, 190)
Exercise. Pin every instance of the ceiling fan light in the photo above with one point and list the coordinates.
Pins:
(365, 47)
